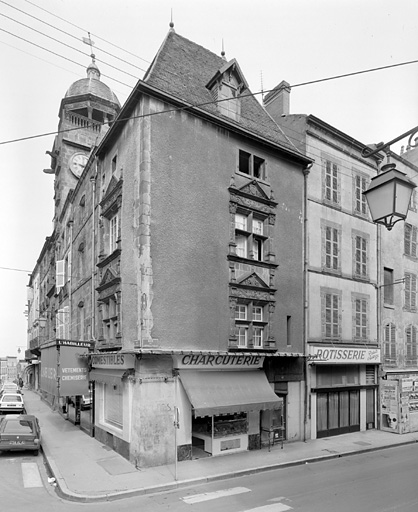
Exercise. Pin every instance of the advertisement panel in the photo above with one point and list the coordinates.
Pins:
(73, 370)
(49, 375)
(389, 391)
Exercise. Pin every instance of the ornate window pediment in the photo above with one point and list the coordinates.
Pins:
(253, 280)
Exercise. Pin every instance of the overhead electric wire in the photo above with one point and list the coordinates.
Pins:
(67, 45)
(61, 56)
(191, 106)
(68, 34)
(284, 133)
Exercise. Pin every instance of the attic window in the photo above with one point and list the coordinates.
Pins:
(229, 103)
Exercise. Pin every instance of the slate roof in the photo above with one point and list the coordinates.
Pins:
(182, 69)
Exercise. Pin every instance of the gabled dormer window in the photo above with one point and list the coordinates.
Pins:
(226, 87)
(229, 103)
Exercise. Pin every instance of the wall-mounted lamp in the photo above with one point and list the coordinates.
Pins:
(390, 191)
(388, 196)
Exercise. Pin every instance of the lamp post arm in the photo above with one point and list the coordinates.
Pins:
(368, 152)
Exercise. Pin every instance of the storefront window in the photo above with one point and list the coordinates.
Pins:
(226, 425)
(113, 405)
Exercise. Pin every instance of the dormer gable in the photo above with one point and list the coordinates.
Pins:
(226, 87)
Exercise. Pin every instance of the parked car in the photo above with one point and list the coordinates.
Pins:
(12, 403)
(85, 401)
(20, 432)
(10, 387)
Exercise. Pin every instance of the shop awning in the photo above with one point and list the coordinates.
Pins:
(110, 377)
(227, 392)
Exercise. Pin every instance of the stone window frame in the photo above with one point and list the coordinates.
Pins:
(335, 294)
(250, 323)
(325, 224)
(355, 235)
(410, 292)
(358, 198)
(389, 343)
(410, 240)
(364, 324)
(334, 201)
(411, 347)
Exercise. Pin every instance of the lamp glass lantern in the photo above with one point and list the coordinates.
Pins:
(389, 196)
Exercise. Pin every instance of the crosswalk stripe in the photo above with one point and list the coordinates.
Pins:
(30, 474)
(274, 507)
(196, 498)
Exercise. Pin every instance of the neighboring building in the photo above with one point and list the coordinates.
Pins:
(11, 369)
(179, 256)
(342, 277)
(3, 369)
(399, 325)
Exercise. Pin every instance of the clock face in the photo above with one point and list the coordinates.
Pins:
(77, 164)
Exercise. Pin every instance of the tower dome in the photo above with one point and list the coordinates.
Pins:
(92, 85)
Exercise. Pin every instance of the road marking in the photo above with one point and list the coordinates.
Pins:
(196, 498)
(274, 507)
(31, 476)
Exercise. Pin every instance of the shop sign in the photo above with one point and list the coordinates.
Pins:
(73, 371)
(344, 355)
(113, 361)
(218, 362)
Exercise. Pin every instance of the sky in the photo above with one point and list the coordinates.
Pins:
(299, 41)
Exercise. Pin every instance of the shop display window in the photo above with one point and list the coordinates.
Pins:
(225, 425)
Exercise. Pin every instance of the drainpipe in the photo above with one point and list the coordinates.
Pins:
(306, 400)
(93, 255)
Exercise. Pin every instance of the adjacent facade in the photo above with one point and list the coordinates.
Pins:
(342, 275)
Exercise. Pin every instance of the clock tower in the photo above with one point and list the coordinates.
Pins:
(86, 111)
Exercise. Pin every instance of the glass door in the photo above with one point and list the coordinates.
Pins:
(337, 412)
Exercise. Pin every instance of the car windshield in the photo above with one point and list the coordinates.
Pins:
(11, 398)
(18, 427)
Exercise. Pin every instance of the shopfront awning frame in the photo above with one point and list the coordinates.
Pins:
(213, 393)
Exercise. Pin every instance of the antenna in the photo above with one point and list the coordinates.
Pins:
(262, 86)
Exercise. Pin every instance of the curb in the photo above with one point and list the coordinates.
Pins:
(65, 493)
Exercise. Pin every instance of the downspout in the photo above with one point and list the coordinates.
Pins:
(93, 255)
(306, 401)
(92, 385)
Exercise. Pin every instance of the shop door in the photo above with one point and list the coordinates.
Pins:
(337, 412)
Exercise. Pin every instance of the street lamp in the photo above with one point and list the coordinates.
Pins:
(389, 195)
(390, 191)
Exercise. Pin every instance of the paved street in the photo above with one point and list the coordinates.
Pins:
(379, 481)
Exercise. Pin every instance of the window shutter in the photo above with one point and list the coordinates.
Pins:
(408, 341)
(59, 273)
(407, 291)
(392, 341)
(413, 286)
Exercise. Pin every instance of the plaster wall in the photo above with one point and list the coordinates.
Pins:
(190, 230)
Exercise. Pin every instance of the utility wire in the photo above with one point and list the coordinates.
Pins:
(192, 106)
(49, 62)
(86, 31)
(67, 33)
(61, 56)
(67, 45)
(16, 270)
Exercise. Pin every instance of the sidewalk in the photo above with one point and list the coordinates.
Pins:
(87, 471)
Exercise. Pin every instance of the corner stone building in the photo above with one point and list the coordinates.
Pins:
(181, 247)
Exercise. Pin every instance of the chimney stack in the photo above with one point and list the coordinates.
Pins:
(277, 102)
